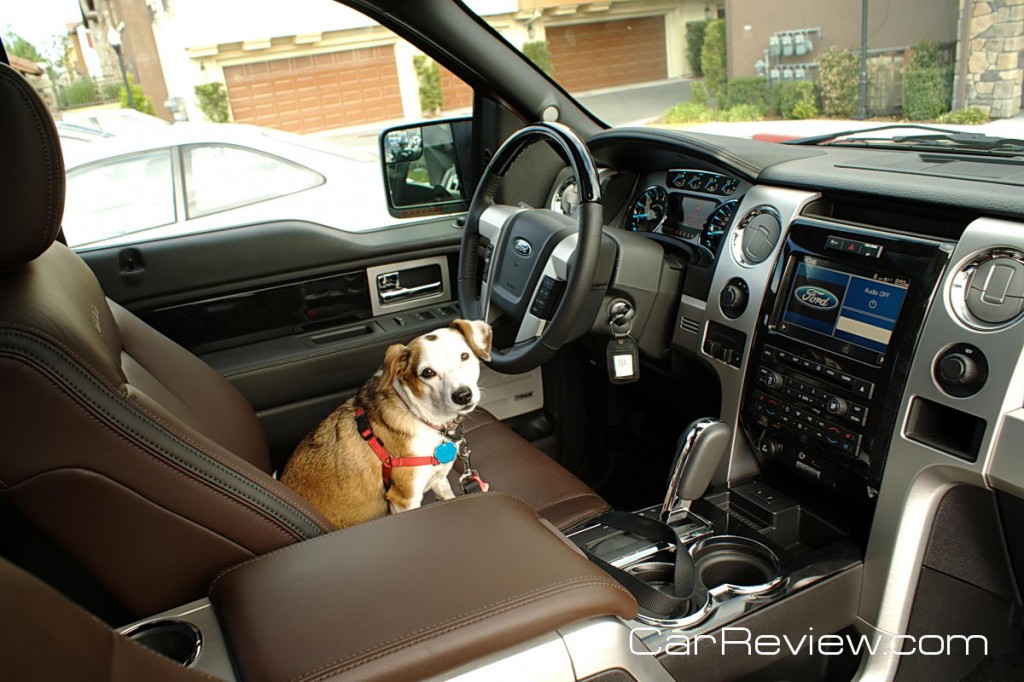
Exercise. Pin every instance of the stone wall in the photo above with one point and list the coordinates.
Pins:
(993, 40)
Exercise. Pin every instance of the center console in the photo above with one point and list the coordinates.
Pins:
(832, 350)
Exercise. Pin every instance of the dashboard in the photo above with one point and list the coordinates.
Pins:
(861, 310)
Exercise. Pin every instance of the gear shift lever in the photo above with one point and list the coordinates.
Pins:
(700, 452)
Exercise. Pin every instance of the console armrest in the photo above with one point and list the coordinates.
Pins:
(411, 595)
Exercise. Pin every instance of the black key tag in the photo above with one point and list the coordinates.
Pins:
(623, 360)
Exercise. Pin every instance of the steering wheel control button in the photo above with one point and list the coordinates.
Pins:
(734, 298)
(961, 370)
(549, 293)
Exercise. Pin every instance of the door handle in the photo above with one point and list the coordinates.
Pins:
(399, 293)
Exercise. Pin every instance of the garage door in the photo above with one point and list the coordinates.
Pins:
(608, 53)
(317, 92)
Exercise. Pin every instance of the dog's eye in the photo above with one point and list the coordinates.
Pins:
(465, 356)
(427, 373)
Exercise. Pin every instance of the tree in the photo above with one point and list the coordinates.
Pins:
(713, 60)
(20, 47)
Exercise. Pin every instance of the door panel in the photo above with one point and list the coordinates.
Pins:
(283, 310)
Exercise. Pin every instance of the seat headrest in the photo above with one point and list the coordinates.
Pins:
(31, 174)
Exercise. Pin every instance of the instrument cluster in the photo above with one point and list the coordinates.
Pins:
(699, 212)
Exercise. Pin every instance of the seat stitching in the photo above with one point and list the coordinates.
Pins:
(452, 624)
(158, 449)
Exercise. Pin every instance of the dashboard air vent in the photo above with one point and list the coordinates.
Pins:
(688, 325)
(757, 235)
(988, 292)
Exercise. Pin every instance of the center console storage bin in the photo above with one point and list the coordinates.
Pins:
(411, 595)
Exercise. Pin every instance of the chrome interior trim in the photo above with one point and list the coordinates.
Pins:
(439, 292)
(788, 203)
(213, 657)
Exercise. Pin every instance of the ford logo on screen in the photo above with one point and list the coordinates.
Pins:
(816, 297)
(522, 247)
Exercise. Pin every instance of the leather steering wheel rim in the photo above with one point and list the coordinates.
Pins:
(554, 332)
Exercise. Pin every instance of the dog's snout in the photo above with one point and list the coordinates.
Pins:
(463, 395)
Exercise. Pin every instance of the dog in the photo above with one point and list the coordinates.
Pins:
(408, 414)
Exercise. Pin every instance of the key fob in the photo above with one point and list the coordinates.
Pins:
(623, 360)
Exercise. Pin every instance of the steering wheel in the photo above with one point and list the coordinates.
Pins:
(538, 264)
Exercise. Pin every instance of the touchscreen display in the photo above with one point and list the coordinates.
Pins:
(852, 314)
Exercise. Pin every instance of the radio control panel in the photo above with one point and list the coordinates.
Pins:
(832, 349)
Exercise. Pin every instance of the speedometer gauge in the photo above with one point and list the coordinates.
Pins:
(648, 211)
(716, 225)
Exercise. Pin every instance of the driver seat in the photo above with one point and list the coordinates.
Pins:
(129, 453)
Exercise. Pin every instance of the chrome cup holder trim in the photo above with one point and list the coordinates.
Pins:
(707, 545)
(136, 631)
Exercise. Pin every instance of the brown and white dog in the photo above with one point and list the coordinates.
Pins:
(407, 412)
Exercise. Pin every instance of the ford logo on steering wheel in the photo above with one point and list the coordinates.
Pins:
(522, 247)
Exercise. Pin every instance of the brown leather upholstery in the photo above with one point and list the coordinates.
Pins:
(46, 637)
(510, 464)
(409, 596)
(130, 453)
(32, 173)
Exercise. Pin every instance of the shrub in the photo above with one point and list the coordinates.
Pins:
(795, 99)
(142, 102)
(743, 112)
(927, 86)
(699, 93)
(747, 91)
(695, 31)
(538, 52)
(972, 116)
(713, 59)
(689, 112)
(838, 75)
(82, 92)
(428, 72)
(927, 93)
(213, 101)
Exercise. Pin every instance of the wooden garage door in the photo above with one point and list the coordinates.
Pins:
(608, 53)
(317, 92)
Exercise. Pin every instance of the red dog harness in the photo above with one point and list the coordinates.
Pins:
(387, 461)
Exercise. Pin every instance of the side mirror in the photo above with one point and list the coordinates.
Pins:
(424, 166)
(402, 145)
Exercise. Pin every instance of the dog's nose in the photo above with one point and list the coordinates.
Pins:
(463, 395)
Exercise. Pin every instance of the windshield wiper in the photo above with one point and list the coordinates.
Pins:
(829, 137)
(940, 139)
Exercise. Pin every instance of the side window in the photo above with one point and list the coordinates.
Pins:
(119, 196)
(221, 177)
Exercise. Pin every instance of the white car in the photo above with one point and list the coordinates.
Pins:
(115, 121)
(196, 177)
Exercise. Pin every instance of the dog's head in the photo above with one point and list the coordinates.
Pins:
(437, 373)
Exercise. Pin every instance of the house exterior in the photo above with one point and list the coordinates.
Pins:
(325, 66)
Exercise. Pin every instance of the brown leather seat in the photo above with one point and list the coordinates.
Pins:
(130, 453)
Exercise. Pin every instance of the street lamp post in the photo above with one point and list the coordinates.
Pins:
(114, 38)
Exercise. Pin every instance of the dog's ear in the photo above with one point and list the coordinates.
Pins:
(477, 334)
(396, 363)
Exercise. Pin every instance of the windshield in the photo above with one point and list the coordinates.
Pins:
(779, 70)
(775, 70)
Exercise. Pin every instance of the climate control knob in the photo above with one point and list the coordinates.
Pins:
(957, 369)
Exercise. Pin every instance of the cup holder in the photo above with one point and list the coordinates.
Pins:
(741, 565)
(176, 639)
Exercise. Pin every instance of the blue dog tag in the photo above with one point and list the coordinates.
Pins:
(445, 452)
